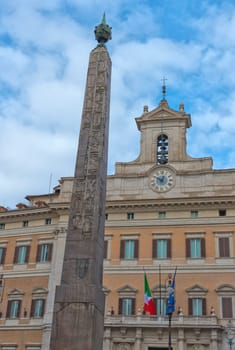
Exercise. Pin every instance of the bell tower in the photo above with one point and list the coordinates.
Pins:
(163, 134)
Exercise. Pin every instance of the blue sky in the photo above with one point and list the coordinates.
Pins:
(44, 49)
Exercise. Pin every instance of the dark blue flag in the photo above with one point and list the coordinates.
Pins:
(170, 308)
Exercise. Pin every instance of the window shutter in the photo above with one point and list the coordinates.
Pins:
(105, 249)
(136, 249)
(155, 304)
(19, 307)
(38, 252)
(32, 308)
(204, 307)
(8, 309)
(221, 247)
(4, 249)
(188, 251)
(168, 248)
(43, 307)
(16, 255)
(154, 248)
(122, 249)
(27, 253)
(119, 306)
(224, 247)
(203, 248)
(133, 306)
(50, 246)
(227, 307)
(190, 307)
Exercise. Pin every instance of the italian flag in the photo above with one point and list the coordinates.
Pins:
(148, 300)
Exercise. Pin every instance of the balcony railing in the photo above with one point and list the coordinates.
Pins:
(161, 321)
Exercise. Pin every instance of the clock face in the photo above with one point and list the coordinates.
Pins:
(162, 180)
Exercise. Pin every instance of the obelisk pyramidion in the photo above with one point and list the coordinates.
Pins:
(78, 318)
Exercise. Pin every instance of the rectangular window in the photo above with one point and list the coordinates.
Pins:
(160, 304)
(197, 306)
(2, 226)
(195, 248)
(227, 307)
(222, 212)
(130, 216)
(224, 247)
(129, 249)
(105, 249)
(126, 306)
(25, 223)
(37, 308)
(13, 308)
(162, 215)
(161, 249)
(194, 213)
(48, 221)
(21, 254)
(106, 216)
(44, 252)
(2, 255)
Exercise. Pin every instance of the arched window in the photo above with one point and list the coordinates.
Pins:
(162, 149)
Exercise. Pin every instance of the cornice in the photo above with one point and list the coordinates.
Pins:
(53, 210)
(212, 221)
(181, 269)
(34, 211)
(37, 272)
(30, 231)
(24, 327)
(172, 203)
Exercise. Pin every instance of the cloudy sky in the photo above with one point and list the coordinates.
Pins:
(44, 49)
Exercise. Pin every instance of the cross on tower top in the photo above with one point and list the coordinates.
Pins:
(163, 88)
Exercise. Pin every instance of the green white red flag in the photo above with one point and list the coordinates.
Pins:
(148, 300)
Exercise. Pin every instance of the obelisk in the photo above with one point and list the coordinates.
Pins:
(78, 318)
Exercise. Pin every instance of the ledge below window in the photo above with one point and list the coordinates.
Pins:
(196, 261)
(224, 261)
(128, 262)
(161, 261)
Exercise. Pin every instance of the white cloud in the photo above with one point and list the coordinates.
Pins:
(217, 25)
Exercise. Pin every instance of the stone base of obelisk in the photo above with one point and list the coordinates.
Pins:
(82, 310)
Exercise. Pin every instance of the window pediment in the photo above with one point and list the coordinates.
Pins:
(196, 291)
(105, 290)
(39, 291)
(157, 289)
(15, 293)
(127, 291)
(225, 289)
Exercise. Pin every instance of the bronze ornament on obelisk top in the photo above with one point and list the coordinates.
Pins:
(78, 316)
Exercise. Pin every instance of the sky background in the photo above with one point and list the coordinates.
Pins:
(44, 50)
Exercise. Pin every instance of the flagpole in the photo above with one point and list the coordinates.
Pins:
(169, 311)
(160, 281)
(169, 331)
(170, 303)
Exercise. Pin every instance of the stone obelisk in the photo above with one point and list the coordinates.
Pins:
(78, 317)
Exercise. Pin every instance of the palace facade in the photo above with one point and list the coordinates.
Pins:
(163, 210)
